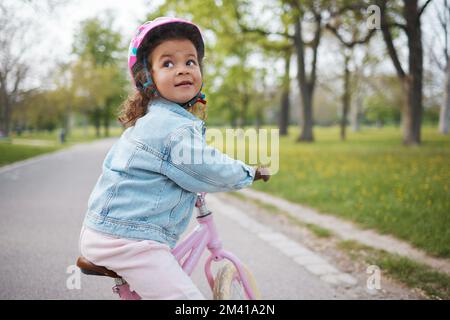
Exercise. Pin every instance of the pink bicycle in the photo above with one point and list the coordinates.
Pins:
(233, 280)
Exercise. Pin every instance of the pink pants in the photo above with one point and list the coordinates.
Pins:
(148, 266)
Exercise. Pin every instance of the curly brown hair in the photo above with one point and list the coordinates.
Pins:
(136, 104)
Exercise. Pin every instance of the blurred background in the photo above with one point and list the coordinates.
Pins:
(359, 90)
(308, 64)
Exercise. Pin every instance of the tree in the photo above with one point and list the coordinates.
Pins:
(96, 89)
(19, 32)
(410, 23)
(311, 12)
(97, 78)
(381, 109)
(13, 67)
(443, 17)
(281, 48)
(97, 40)
(285, 96)
(344, 25)
(40, 110)
(297, 13)
(62, 81)
(300, 15)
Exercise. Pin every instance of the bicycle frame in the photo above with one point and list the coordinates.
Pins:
(204, 236)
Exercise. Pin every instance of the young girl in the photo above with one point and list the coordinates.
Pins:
(146, 193)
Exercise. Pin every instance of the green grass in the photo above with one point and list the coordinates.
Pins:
(29, 145)
(319, 231)
(414, 275)
(372, 179)
(11, 153)
(76, 135)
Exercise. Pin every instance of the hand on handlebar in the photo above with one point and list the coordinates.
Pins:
(262, 173)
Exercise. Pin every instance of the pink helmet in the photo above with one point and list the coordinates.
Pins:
(143, 33)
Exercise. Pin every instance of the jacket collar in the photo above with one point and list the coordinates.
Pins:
(174, 107)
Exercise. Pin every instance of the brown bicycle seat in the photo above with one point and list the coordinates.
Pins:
(89, 268)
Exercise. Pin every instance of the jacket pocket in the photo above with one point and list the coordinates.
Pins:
(117, 178)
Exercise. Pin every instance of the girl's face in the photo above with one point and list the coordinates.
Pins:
(175, 70)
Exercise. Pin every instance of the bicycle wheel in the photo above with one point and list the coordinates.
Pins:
(228, 285)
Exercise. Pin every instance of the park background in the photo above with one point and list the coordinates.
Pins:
(359, 90)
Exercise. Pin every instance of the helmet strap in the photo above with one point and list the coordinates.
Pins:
(199, 97)
(149, 81)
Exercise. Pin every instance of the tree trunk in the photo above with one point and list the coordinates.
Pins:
(234, 117)
(106, 118)
(306, 85)
(356, 112)
(307, 114)
(259, 119)
(284, 112)
(3, 121)
(345, 98)
(85, 125)
(97, 121)
(5, 113)
(445, 107)
(413, 81)
(412, 112)
(6, 119)
(357, 100)
(244, 110)
(67, 119)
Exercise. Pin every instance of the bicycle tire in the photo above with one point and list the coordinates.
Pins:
(227, 280)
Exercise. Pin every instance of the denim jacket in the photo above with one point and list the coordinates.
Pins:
(152, 174)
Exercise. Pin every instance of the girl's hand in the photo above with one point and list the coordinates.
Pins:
(262, 173)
